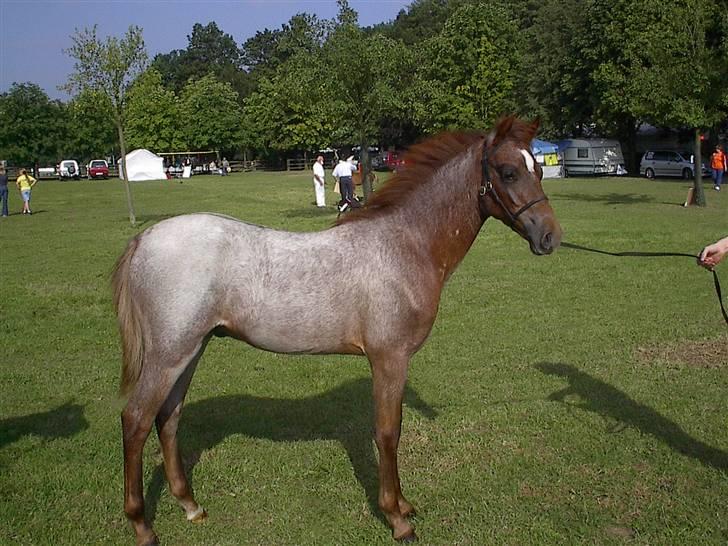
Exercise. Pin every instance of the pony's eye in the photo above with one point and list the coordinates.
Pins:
(509, 174)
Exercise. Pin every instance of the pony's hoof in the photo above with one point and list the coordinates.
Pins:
(408, 539)
(200, 516)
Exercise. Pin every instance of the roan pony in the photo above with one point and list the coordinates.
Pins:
(192, 277)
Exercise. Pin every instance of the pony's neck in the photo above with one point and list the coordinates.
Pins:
(447, 213)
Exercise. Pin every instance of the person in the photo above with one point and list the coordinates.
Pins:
(25, 183)
(343, 173)
(318, 182)
(719, 165)
(225, 167)
(4, 191)
(711, 255)
(213, 167)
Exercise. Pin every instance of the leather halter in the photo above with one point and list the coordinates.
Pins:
(487, 189)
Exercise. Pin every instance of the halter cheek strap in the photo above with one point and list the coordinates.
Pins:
(487, 189)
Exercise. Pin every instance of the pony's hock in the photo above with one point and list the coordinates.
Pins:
(188, 278)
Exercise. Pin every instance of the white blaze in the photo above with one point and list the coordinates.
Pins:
(529, 161)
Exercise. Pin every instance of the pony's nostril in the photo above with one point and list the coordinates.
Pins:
(546, 241)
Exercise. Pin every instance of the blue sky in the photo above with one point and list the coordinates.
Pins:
(33, 33)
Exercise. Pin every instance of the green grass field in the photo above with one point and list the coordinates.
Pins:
(570, 399)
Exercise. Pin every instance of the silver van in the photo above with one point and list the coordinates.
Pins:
(668, 163)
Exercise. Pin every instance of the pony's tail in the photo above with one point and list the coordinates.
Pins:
(127, 313)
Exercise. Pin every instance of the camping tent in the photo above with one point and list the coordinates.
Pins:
(547, 154)
(144, 165)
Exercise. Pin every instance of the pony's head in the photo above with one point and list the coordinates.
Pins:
(511, 188)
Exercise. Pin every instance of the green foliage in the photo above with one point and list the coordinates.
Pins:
(33, 126)
(210, 114)
(467, 71)
(209, 51)
(109, 67)
(91, 130)
(154, 120)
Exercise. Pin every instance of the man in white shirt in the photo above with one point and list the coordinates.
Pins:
(318, 182)
(342, 172)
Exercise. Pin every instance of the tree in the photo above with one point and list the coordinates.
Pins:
(658, 62)
(292, 110)
(91, 132)
(211, 114)
(33, 126)
(467, 72)
(109, 67)
(154, 120)
(209, 51)
(363, 93)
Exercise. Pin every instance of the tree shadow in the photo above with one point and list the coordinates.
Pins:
(63, 422)
(343, 414)
(607, 199)
(601, 398)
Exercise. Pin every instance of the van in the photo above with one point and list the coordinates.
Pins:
(592, 156)
(68, 168)
(668, 163)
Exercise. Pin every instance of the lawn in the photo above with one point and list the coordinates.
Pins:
(572, 399)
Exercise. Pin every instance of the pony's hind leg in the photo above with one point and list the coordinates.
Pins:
(167, 422)
(389, 374)
(150, 393)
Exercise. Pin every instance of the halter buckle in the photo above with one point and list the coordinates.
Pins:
(485, 188)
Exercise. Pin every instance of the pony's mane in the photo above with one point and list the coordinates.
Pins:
(423, 159)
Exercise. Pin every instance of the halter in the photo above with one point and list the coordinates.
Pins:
(487, 188)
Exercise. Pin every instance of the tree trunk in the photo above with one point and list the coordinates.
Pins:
(698, 193)
(366, 183)
(124, 176)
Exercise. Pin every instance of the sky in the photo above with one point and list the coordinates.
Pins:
(34, 33)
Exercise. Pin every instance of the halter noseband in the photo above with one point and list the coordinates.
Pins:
(487, 188)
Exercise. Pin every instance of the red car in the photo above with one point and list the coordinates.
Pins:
(98, 168)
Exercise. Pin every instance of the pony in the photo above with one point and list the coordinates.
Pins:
(189, 278)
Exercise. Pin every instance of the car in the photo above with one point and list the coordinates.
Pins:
(68, 168)
(97, 168)
(668, 163)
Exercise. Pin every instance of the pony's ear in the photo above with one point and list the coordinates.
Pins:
(501, 130)
(535, 124)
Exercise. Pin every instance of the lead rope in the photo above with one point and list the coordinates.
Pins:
(716, 282)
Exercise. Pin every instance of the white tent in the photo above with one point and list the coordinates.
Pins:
(142, 164)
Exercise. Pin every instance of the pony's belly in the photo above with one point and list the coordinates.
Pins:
(293, 342)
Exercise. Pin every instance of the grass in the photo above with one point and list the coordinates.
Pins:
(573, 399)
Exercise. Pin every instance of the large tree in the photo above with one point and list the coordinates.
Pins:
(467, 72)
(209, 51)
(154, 120)
(91, 132)
(368, 80)
(33, 126)
(211, 114)
(109, 67)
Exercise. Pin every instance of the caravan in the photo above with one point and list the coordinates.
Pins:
(592, 156)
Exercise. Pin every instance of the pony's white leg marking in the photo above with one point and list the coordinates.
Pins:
(529, 161)
(197, 515)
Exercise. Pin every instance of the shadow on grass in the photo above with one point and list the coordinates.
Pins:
(608, 199)
(343, 414)
(63, 422)
(603, 399)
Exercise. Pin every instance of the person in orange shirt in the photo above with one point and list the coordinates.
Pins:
(719, 165)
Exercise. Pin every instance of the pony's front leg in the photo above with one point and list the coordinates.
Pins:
(389, 377)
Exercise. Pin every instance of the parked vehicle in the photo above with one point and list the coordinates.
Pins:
(97, 168)
(668, 163)
(592, 156)
(68, 168)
